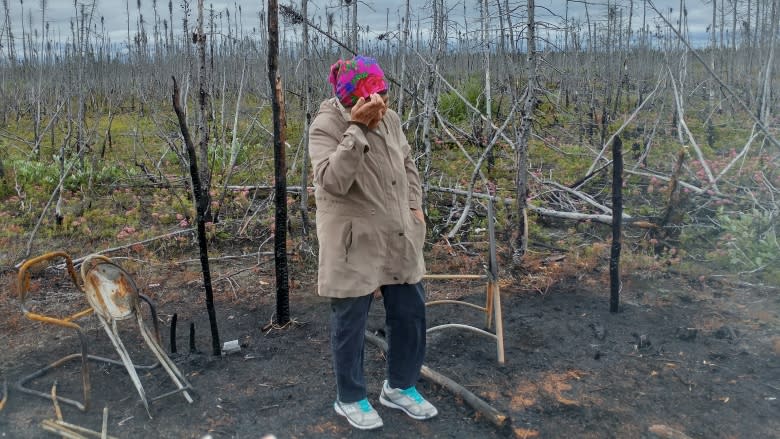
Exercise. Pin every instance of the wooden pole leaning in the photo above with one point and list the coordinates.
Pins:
(492, 308)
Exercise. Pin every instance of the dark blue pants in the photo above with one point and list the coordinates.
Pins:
(405, 329)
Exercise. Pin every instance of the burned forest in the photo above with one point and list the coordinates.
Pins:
(600, 186)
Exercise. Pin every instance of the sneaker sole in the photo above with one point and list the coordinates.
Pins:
(352, 423)
(387, 403)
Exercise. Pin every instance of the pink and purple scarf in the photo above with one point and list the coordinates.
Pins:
(356, 78)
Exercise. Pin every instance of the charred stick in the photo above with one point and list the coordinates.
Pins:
(617, 214)
(57, 410)
(280, 169)
(173, 332)
(192, 337)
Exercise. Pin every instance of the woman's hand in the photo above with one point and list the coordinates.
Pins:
(369, 113)
(418, 214)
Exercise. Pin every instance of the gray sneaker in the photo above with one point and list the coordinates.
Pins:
(409, 400)
(359, 414)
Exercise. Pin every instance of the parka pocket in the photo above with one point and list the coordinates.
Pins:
(419, 229)
(347, 240)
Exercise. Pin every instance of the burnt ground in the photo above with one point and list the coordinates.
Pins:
(699, 357)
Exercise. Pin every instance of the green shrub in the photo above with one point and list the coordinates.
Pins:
(452, 107)
(748, 241)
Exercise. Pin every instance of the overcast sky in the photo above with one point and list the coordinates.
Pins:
(373, 13)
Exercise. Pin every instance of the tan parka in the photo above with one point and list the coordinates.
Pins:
(366, 184)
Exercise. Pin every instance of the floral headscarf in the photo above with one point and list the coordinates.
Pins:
(356, 78)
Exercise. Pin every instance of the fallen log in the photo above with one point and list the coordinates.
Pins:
(575, 216)
(497, 418)
(266, 188)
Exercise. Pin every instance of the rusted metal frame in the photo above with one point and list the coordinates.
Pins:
(24, 286)
(462, 326)
(176, 376)
(109, 325)
(113, 334)
(114, 296)
(456, 302)
(153, 312)
(23, 280)
(492, 308)
(79, 314)
(20, 385)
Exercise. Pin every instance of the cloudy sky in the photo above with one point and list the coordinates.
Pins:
(373, 13)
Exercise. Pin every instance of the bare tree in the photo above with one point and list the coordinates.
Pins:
(485, 12)
(280, 169)
(523, 135)
(404, 43)
(304, 206)
(200, 206)
(10, 40)
(203, 115)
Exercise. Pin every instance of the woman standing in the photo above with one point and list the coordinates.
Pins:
(371, 233)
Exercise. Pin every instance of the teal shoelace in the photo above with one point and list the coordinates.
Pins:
(414, 394)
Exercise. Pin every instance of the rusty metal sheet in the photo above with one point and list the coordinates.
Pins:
(110, 290)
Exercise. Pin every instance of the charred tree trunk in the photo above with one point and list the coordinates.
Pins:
(200, 205)
(280, 169)
(617, 225)
(203, 116)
